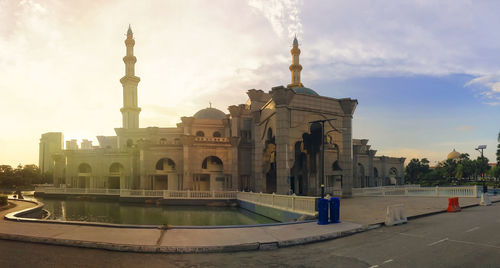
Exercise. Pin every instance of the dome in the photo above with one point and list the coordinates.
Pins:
(453, 155)
(210, 113)
(305, 90)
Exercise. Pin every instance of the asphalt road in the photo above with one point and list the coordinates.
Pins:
(470, 238)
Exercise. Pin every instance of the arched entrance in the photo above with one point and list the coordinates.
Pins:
(166, 176)
(84, 175)
(299, 171)
(393, 176)
(212, 177)
(116, 172)
(361, 175)
(269, 162)
(375, 176)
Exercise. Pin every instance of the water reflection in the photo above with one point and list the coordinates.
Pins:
(145, 214)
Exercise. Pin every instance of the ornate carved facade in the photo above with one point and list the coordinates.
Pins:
(269, 144)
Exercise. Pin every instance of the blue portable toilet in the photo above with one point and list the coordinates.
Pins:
(334, 210)
(322, 211)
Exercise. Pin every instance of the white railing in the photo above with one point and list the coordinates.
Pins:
(300, 204)
(458, 191)
(199, 194)
(99, 191)
(166, 194)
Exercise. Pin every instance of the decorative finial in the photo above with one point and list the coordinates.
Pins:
(210, 103)
(295, 41)
(129, 31)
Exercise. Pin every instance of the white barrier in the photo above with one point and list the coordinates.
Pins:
(395, 215)
(403, 190)
(301, 204)
(485, 200)
(165, 194)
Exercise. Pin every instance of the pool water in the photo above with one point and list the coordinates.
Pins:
(148, 214)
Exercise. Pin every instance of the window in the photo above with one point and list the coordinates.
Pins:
(217, 134)
(163, 141)
(200, 133)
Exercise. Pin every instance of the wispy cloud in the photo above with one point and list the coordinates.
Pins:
(283, 15)
(489, 88)
(466, 128)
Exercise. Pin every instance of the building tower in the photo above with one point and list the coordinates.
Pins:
(50, 143)
(130, 110)
(295, 68)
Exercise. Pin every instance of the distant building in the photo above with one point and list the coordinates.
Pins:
(266, 145)
(454, 155)
(50, 143)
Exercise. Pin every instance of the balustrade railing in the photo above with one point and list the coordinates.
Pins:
(300, 204)
(166, 194)
(410, 190)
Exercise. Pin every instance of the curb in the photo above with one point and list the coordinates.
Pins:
(14, 216)
(173, 249)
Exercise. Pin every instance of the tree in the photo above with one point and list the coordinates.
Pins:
(498, 150)
(417, 169)
(20, 177)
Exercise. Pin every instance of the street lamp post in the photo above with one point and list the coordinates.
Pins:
(322, 170)
(480, 149)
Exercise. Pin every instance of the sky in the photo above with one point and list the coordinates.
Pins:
(426, 74)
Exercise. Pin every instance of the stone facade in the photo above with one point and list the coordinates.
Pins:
(272, 144)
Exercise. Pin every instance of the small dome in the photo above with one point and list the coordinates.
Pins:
(305, 90)
(453, 155)
(210, 113)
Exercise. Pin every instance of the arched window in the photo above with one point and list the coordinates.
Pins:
(165, 164)
(200, 133)
(84, 168)
(212, 163)
(130, 143)
(269, 134)
(336, 166)
(163, 141)
(217, 134)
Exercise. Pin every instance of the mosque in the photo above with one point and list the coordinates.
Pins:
(270, 144)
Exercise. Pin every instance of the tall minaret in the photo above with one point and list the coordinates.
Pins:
(295, 68)
(130, 110)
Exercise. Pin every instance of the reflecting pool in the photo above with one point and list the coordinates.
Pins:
(148, 214)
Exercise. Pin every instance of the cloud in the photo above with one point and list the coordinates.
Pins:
(410, 153)
(488, 87)
(466, 128)
(283, 15)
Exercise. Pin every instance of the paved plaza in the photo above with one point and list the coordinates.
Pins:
(357, 215)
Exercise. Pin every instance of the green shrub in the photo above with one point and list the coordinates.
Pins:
(3, 200)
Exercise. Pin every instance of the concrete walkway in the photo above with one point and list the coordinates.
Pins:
(364, 211)
(372, 210)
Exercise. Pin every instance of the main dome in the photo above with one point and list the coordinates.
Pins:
(210, 113)
(453, 155)
(305, 90)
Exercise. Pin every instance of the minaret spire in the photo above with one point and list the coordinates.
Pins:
(295, 68)
(130, 110)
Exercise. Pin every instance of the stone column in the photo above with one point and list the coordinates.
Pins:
(282, 97)
(371, 155)
(235, 141)
(348, 106)
(258, 184)
(59, 164)
(355, 176)
(384, 175)
(187, 142)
